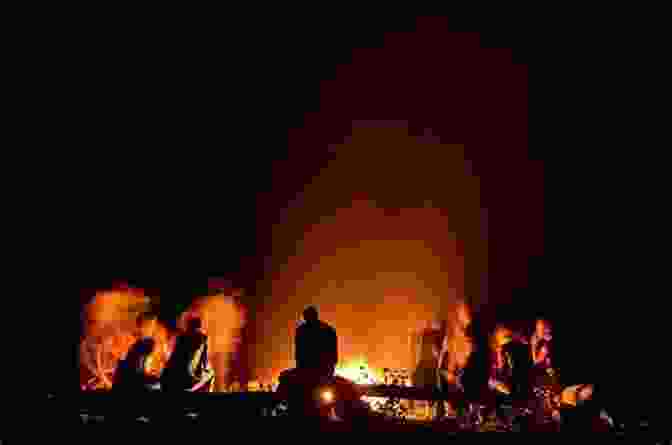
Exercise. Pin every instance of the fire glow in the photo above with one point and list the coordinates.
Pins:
(358, 371)
(111, 328)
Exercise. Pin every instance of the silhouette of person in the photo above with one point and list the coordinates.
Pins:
(131, 377)
(427, 360)
(131, 373)
(188, 368)
(478, 369)
(316, 355)
(455, 351)
(316, 345)
(512, 364)
(517, 350)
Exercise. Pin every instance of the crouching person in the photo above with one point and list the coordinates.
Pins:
(133, 380)
(188, 369)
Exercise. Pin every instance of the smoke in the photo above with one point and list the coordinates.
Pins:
(380, 243)
(223, 321)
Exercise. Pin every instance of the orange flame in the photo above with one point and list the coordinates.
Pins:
(457, 346)
(111, 329)
(500, 337)
(222, 320)
(358, 371)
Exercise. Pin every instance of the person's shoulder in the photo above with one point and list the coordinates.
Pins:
(302, 327)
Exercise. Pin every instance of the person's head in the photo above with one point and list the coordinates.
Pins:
(194, 325)
(142, 347)
(310, 314)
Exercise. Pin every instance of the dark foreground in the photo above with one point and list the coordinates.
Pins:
(297, 428)
(243, 413)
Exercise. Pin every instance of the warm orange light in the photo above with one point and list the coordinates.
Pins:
(500, 337)
(359, 372)
(463, 315)
(327, 396)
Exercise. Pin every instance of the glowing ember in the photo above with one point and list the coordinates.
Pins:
(328, 396)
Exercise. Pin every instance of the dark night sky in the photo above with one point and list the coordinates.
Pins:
(178, 158)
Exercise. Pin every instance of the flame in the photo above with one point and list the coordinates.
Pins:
(162, 347)
(542, 328)
(109, 331)
(463, 315)
(500, 337)
(358, 371)
(111, 328)
(457, 345)
(115, 310)
(222, 320)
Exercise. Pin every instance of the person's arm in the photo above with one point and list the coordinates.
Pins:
(206, 371)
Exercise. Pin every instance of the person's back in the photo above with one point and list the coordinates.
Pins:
(477, 370)
(316, 344)
(521, 367)
(131, 372)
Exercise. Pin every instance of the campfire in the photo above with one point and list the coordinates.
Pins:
(359, 372)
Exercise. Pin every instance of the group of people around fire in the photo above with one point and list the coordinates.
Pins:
(488, 372)
(501, 372)
(187, 367)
